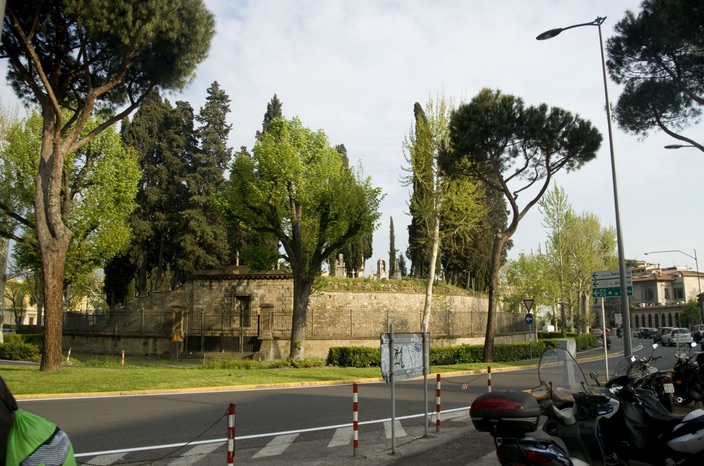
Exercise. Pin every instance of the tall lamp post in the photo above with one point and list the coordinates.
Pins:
(627, 348)
(700, 301)
(679, 146)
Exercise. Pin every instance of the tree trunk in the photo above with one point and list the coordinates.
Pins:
(431, 274)
(54, 238)
(302, 288)
(4, 252)
(498, 246)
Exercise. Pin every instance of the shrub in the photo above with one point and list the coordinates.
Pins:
(15, 349)
(353, 356)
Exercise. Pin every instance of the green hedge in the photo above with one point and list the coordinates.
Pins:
(353, 356)
(16, 349)
(357, 356)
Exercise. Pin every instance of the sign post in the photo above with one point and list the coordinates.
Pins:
(403, 355)
(607, 284)
(529, 320)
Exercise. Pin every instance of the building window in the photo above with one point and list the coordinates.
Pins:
(649, 294)
(667, 293)
(679, 293)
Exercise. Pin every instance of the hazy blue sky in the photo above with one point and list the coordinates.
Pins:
(355, 68)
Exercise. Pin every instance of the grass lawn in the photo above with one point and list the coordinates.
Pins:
(109, 376)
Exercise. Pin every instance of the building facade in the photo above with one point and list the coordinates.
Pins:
(660, 294)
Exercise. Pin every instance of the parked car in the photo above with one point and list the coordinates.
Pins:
(8, 330)
(647, 332)
(657, 336)
(698, 332)
(677, 336)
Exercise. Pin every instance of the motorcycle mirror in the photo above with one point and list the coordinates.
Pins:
(693, 344)
(655, 346)
(593, 375)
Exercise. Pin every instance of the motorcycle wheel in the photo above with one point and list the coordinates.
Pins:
(666, 399)
(694, 388)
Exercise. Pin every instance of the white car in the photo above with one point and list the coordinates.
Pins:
(677, 336)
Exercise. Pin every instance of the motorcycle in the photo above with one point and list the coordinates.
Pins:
(686, 376)
(586, 424)
(648, 376)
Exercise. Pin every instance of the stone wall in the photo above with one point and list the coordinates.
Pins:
(232, 310)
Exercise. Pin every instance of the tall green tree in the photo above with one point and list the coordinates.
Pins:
(202, 239)
(393, 254)
(258, 251)
(87, 56)
(528, 277)
(297, 188)
(559, 220)
(357, 252)
(422, 181)
(453, 203)
(102, 179)
(514, 150)
(8, 119)
(657, 56)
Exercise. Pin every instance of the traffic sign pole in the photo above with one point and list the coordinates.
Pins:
(529, 320)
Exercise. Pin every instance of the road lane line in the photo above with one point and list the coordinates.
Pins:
(342, 436)
(276, 446)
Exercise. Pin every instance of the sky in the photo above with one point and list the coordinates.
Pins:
(354, 69)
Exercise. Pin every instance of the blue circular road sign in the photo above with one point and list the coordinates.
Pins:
(529, 318)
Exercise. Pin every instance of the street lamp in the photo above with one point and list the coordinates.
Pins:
(699, 283)
(678, 146)
(627, 349)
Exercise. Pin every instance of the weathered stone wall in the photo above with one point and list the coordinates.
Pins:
(222, 310)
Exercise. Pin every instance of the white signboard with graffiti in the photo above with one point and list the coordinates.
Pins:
(402, 352)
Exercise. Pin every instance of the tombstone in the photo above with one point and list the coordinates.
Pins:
(340, 269)
(381, 274)
(397, 271)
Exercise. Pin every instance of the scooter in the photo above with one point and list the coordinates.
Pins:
(586, 424)
(686, 377)
(651, 378)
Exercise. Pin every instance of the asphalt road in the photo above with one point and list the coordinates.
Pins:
(305, 421)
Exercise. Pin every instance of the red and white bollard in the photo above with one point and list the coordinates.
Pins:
(438, 387)
(355, 420)
(123, 359)
(68, 357)
(489, 380)
(231, 435)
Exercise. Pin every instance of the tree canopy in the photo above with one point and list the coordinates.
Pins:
(658, 56)
(298, 188)
(87, 56)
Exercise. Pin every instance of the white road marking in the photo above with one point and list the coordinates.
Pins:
(107, 459)
(342, 436)
(276, 446)
(398, 429)
(196, 454)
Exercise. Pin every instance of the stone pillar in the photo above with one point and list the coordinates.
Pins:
(266, 350)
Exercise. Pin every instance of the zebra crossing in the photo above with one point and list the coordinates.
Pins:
(332, 443)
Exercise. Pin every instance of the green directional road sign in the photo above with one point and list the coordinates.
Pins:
(607, 284)
(613, 292)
